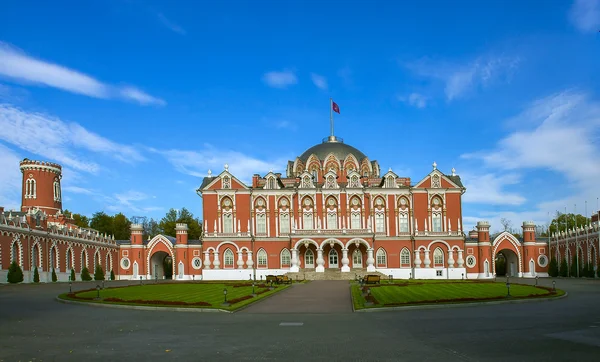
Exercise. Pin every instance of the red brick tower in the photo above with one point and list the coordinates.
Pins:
(41, 186)
(485, 249)
(530, 252)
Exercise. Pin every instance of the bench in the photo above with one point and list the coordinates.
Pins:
(271, 279)
(372, 279)
(284, 279)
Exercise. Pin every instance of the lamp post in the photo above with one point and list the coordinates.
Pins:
(368, 302)
(462, 276)
(253, 293)
(508, 289)
(554, 286)
(225, 297)
(97, 292)
(103, 285)
(536, 280)
(140, 280)
(70, 282)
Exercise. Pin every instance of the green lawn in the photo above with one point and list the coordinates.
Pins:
(432, 292)
(205, 295)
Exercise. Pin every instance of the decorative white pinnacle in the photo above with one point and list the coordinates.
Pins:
(390, 170)
(453, 171)
(227, 167)
(209, 173)
(271, 171)
(434, 165)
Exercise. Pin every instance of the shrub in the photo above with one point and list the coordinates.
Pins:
(36, 275)
(15, 273)
(553, 268)
(72, 275)
(54, 277)
(564, 269)
(85, 274)
(112, 275)
(98, 273)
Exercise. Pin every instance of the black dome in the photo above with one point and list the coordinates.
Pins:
(333, 145)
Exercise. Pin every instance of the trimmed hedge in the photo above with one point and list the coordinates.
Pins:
(15, 273)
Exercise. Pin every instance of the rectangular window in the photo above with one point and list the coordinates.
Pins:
(437, 223)
(403, 223)
(355, 221)
(379, 223)
(332, 220)
(228, 223)
(284, 223)
(307, 221)
(438, 273)
(125, 253)
(261, 223)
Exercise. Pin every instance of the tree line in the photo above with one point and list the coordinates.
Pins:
(559, 223)
(120, 226)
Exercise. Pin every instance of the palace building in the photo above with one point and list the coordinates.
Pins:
(333, 215)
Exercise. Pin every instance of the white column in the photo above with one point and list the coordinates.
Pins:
(206, 260)
(345, 261)
(370, 260)
(240, 261)
(320, 262)
(450, 258)
(294, 267)
(427, 260)
(216, 262)
(249, 261)
(461, 262)
(417, 259)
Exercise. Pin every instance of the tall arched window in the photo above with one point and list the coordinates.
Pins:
(227, 212)
(309, 259)
(357, 259)
(261, 223)
(56, 191)
(261, 256)
(53, 258)
(307, 214)
(285, 258)
(355, 213)
(379, 215)
(405, 258)
(272, 183)
(390, 182)
(83, 259)
(381, 258)
(284, 216)
(228, 259)
(438, 258)
(69, 260)
(436, 215)
(333, 258)
(331, 212)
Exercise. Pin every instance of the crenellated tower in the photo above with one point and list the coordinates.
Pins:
(41, 186)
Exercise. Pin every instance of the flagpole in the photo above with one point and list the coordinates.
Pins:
(331, 116)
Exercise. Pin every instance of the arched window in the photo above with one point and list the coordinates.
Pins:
(227, 212)
(307, 214)
(333, 258)
(309, 259)
(261, 223)
(405, 258)
(56, 191)
(381, 258)
(380, 221)
(436, 215)
(37, 262)
(355, 214)
(69, 260)
(262, 258)
(53, 258)
(438, 258)
(228, 259)
(284, 222)
(357, 259)
(272, 183)
(285, 258)
(96, 260)
(390, 183)
(404, 223)
(315, 175)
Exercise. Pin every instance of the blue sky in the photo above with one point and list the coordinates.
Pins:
(137, 100)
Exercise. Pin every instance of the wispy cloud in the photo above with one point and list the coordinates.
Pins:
(459, 79)
(170, 25)
(490, 189)
(197, 163)
(280, 79)
(319, 81)
(585, 15)
(559, 134)
(16, 65)
(57, 140)
(414, 99)
(77, 190)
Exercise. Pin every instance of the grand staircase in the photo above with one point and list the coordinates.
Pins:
(331, 274)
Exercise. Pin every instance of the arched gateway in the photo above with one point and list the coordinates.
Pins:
(506, 250)
(160, 258)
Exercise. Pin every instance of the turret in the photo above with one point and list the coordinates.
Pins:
(137, 231)
(41, 186)
(181, 231)
(483, 231)
(528, 231)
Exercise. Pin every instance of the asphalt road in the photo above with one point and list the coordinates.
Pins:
(33, 326)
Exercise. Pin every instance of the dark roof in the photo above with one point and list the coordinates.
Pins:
(456, 180)
(194, 242)
(206, 181)
(171, 239)
(336, 146)
(122, 242)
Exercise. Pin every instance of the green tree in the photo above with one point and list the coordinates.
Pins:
(15, 273)
(102, 222)
(54, 277)
(98, 273)
(168, 223)
(112, 275)
(561, 221)
(574, 266)
(151, 228)
(85, 274)
(121, 227)
(80, 220)
(564, 268)
(553, 268)
(36, 275)
(72, 275)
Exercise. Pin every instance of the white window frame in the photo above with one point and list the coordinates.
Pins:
(405, 258)
(438, 258)
(381, 258)
(285, 258)
(262, 259)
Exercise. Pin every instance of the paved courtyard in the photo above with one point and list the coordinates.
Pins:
(35, 327)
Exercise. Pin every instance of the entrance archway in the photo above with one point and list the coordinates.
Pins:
(161, 265)
(506, 263)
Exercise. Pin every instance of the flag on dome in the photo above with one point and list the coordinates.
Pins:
(335, 107)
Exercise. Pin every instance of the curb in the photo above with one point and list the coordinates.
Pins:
(140, 307)
(458, 305)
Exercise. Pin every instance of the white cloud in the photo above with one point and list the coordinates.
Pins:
(171, 25)
(284, 124)
(490, 189)
(319, 81)
(197, 163)
(76, 190)
(460, 79)
(10, 179)
(57, 140)
(560, 134)
(585, 15)
(281, 79)
(415, 100)
(15, 64)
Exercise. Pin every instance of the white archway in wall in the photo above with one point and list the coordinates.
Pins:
(16, 251)
(159, 239)
(84, 259)
(439, 241)
(69, 259)
(532, 267)
(227, 243)
(360, 241)
(36, 250)
(515, 243)
(136, 270)
(308, 241)
(330, 240)
(53, 258)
